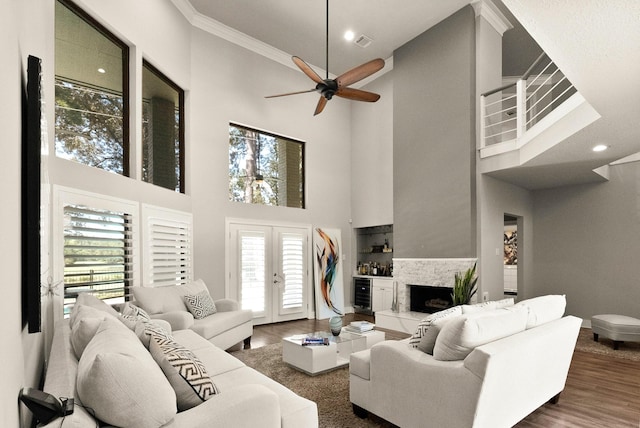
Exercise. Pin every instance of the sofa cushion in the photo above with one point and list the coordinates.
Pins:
(425, 323)
(201, 305)
(463, 334)
(186, 373)
(156, 300)
(360, 363)
(120, 381)
(544, 309)
(220, 322)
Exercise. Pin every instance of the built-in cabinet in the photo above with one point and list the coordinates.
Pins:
(382, 295)
(375, 250)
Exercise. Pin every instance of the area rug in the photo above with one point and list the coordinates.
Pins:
(627, 350)
(329, 390)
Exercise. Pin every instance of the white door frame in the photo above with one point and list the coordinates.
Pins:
(310, 313)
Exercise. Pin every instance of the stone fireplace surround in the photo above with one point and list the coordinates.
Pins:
(429, 272)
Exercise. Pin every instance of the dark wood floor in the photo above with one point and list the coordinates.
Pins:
(600, 392)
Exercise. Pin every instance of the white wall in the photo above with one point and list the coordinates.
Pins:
(372, 157)
(13, 372)
(228, 85)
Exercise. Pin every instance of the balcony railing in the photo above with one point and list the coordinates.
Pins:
(510, 110)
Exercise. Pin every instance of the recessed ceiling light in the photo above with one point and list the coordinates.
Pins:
(349, 35)
(102, 70)
(600, 148)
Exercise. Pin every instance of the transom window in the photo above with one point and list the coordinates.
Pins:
(91, 92)
(265, 168)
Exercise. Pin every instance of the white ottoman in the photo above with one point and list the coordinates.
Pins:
(618, 328)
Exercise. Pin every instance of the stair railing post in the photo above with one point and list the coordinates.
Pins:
(483, 120)
(521, 107)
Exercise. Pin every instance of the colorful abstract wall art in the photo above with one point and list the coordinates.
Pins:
(327, 267)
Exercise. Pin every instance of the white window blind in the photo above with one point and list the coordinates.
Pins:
(98, 254)
(167, 247)
(252, 268)
(293, 270)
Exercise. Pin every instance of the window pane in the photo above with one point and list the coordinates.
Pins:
(162, 130)
(252, 268)
(265, 169)
(90, 97)
(97, 254)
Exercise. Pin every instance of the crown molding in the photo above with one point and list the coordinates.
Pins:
(491, 13)
(217, 28)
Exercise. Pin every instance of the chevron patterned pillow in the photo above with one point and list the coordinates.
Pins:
(200, 305)
(186, 373)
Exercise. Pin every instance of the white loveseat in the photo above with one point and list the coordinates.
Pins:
(108, 363)
(225, 328)
(484, 368)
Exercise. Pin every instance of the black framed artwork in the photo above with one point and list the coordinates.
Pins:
(31, 144)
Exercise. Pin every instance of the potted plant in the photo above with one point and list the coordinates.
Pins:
(465, 286)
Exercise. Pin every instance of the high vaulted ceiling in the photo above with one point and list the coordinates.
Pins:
(595, 42)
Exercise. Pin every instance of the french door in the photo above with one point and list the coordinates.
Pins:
(269, 270)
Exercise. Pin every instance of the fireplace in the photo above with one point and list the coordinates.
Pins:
(429, 299)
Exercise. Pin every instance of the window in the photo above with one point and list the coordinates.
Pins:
(162, 130)
(91, 92)
(98, 256)
(167, 246)
(265, 168)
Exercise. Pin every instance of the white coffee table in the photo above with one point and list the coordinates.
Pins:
(318, 359)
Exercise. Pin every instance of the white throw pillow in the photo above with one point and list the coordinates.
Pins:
(87, 320)
(463, 334)
(425, 323)
(122, 384)
(544, 309)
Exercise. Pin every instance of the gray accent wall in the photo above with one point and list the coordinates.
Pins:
(587, 242)
(434, 206)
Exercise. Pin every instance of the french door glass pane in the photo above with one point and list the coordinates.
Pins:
(292, 270)
(252, 268)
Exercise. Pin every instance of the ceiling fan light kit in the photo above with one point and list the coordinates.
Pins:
(340, 85)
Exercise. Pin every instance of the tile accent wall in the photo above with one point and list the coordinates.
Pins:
(434, 272)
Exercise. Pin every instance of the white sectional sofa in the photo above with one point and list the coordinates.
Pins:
(481, 368)
(225, 328)
(123, 372)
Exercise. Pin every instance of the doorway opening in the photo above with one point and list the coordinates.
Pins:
(510, 259)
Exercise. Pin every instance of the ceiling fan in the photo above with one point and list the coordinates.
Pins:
(338, 86)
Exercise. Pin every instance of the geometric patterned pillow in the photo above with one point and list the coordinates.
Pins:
(132, 313)
(201, 305)
(425, 324)
(185, 372)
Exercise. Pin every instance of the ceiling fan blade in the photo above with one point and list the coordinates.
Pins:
(306, 69)
(321, 103)
(357, 95)
(291, 93)
(360, 72)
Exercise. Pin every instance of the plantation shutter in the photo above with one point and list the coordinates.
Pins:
(293, 270)
(169, 252)
(98, 254)
(252, 270)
